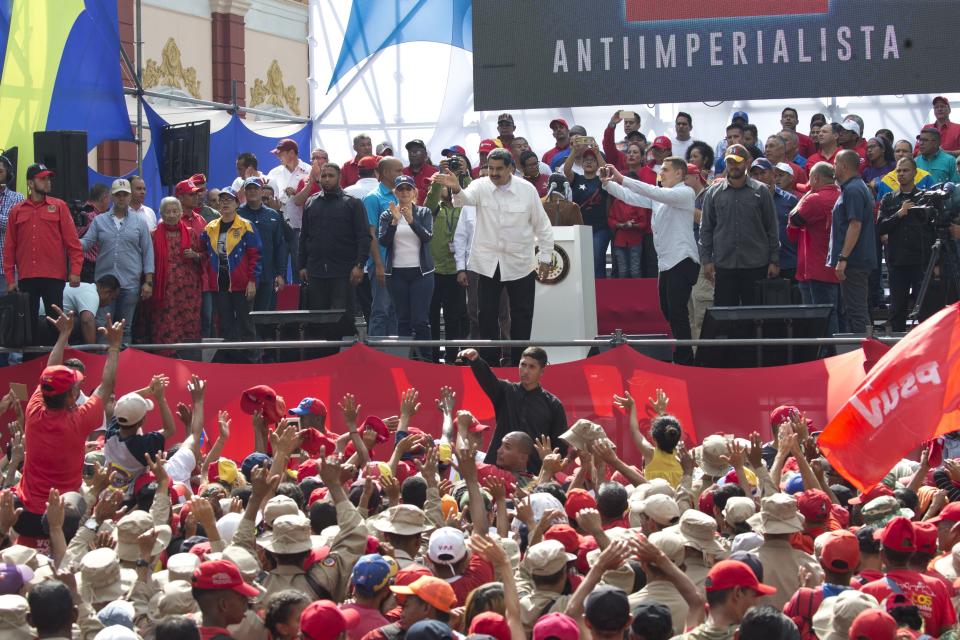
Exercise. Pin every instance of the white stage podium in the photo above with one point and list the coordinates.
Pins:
(566, 306)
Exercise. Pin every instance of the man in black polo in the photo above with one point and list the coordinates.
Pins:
(520, 406)
(739, 233)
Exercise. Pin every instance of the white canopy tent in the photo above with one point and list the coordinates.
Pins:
(425, 90)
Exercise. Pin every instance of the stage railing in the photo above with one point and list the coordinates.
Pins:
(616, 339)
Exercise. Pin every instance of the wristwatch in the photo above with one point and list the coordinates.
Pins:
(91, 524)
(841, 258)
(142, 563)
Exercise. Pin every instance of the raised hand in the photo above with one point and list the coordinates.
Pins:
(158, 385)
(687, 463)
(331, 472)
(603, 450)
(552, 462)
(428, 468)
(113, 331)
(63, 321)
(391, 488)
(109, 506)
(660, 402)
(184, 414)
(146, 542)
(447, 401)
(485, 547)
(350, 409)
(625, 402)
(223, 422)
(496, 487)
(157, 467)
(197, 388)
(589, 520)
(408, 403)
(8, 514)
(755, 454)
(543, 446)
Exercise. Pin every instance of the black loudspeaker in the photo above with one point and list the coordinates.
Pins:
(11, 156)
(64, 153)
(794, 321)
(185, 151)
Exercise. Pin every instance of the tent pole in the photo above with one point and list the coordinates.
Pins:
(139, 24)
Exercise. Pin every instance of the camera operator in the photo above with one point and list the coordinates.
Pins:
(909, 238)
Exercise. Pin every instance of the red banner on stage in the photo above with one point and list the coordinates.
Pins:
(911, 395)
(706, 401)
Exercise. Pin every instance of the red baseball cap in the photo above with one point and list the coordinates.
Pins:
(317, 494)
(587, 544)
(262, 398)
(486, 146)
(378, 425)
(578, 499)
(368, 162)
(309, 405)
(941, 99)
(814, 504)
(307, 469)
(476, 427)
(218, 575)
(662, 142)
(873, 624)
(560, 121)
(324, 620)
(898, 535)
(840, 552)
(951, 513)
(925, 536)
(728, 574)
(186, 186)
(58, 379)
(316, 443)
(556, 625)
(875, 492)
(566, 535)
(492, 624)
(198, 178)
(286, 145)
(782, 414)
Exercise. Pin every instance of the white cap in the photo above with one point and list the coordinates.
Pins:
(131, 408)
(783, 166)
(120, 184)
(447, 546)
(851, 125)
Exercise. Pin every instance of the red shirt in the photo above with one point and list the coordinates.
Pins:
(819, 157)
(620, 211)
(195, 223)
(370, 619)
(212, 632)
(949, 135)
(548, 156)
(799, 173)
(612, 154)
(53, 456)
(349, 173)
(41, 238)
(479, 572)
(422, 180)
(541, 182)
(805, 146)
(928, 594)
(314, 187)
(813, 238)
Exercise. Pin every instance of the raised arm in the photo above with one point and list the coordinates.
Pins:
(628, 404)
(64, 326)
(114, 333)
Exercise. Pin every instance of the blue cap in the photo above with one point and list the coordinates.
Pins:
(370, 574)
(229, 191)
(794, 484)
(429, 630)
(310, 406)
(740, 114)
(407, 180)
(252, 461)
(761, 163)
(254, 181)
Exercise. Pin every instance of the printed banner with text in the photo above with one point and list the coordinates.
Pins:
(570, 53)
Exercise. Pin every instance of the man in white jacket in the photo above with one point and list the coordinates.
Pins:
(677, 257)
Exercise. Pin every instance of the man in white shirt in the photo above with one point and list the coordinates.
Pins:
(137, 207)
(285, 179)
(367, 170)
(510, 223)
(84, 301)
(682, 141)
(678, 258)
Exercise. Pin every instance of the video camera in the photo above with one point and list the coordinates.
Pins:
(934, 205)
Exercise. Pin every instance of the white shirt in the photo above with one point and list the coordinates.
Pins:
(672, 219)
(680, 147)
(406, 247)
(362, 187)
(511, 222)
(147, 215)
(79, 299)
(281, 178)
(463, 236)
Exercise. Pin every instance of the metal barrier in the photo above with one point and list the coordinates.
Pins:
(616, 339)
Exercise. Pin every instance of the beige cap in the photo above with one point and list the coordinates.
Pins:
(279, 506)
(949, 566)
(101, 579)
(670, 543)
(833, 619)
(290, 534)
(403, 520)
(19, 554)
(132, 526)
(708, 455)
(778, 514)
(661, 508)
(699, 531)
(176, 599)
(582, 433)
(244, 561)
(879, 511)
(738, 509)
(622, 577)
(120, 184)
(13, 618)
(547, 558)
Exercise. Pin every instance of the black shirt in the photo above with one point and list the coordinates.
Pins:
(139, 444)
(909, 238)
(537, 412)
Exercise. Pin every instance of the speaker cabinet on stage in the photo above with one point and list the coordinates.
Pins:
(64, 153)
(185, 151)
(787, 321)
